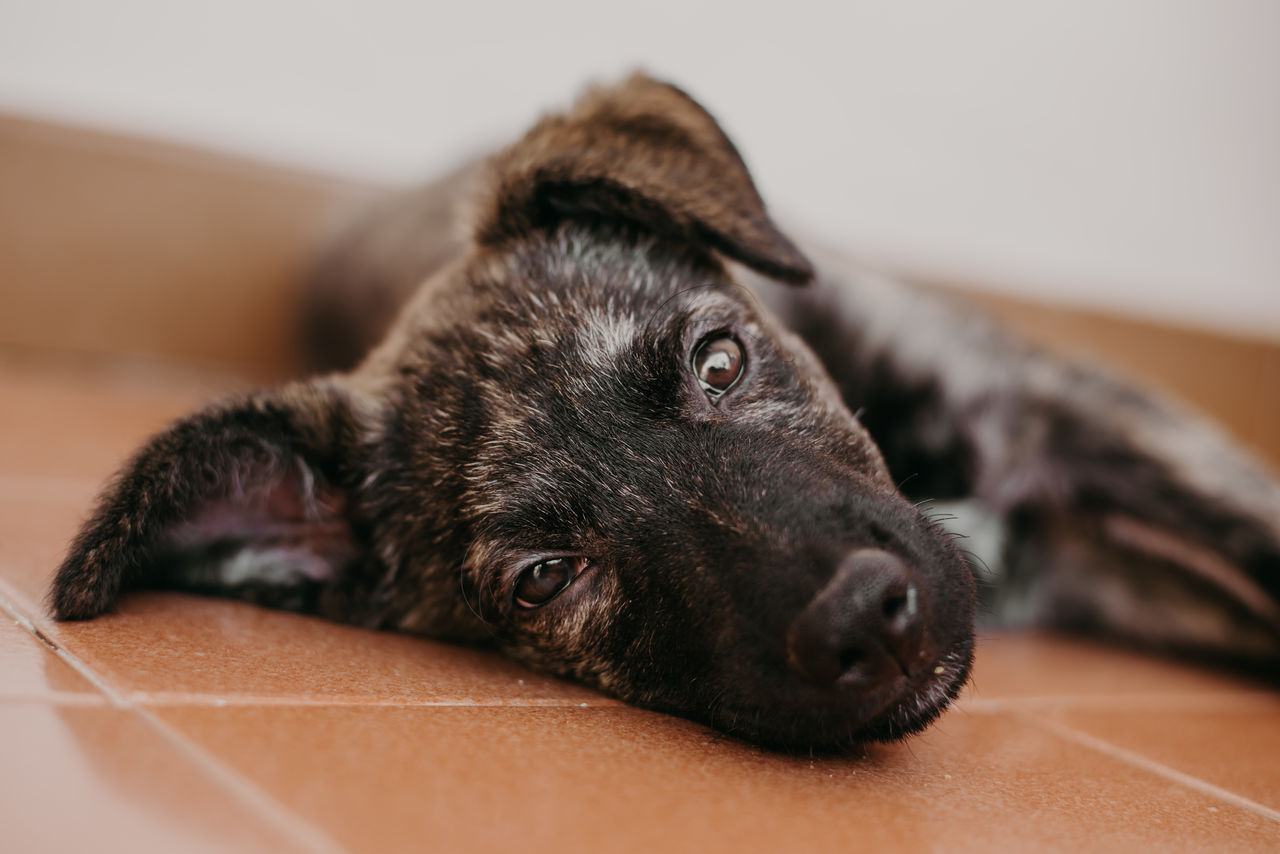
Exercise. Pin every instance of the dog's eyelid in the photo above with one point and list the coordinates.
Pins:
(543, 578)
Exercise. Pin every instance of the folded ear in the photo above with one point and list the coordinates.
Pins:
(252, 497)
(645, 153)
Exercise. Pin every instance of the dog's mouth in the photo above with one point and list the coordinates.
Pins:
(838, 719)
(920, 700)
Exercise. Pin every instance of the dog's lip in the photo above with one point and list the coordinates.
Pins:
(906, 705)
(903, 687)
(923, 697)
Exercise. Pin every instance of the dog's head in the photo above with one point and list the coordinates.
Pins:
(584, 441)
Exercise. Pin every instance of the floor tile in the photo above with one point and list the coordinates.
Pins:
(30, 670)
(35, 531)
(117, 245)
(83, 778)
(65, 427)
(160, 647)
(1236, 749)
(556, 779)
(1029, 666)
(83, 422)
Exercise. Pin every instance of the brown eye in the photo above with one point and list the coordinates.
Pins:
(718, 363)
(543, 581)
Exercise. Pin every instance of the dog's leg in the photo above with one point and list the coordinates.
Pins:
(1121, 513)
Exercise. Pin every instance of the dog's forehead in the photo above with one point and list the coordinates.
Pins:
(576, 270)
(571, 386)
(580, 316)
(582, 345)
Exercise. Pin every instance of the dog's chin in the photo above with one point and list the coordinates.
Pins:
(923, 699)
(837, 721)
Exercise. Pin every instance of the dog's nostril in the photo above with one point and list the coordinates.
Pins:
(851, 658)
(899, 608)
(864, 629)
(893, 605)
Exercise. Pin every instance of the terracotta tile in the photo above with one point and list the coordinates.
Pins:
(34, 534)
(1043, 667)
(170, 647)
(64, 429)
(83, 778)
(1234, 749)
(501, 779)
(81, 422)
(117, 245)
(29, 670)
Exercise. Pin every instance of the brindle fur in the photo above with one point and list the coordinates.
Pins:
(535, 396)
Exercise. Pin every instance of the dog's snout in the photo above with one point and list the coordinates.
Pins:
(865, 628)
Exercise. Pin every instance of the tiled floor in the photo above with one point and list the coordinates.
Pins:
(185, 724)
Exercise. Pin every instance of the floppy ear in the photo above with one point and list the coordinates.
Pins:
(645, 153)
(253, 497)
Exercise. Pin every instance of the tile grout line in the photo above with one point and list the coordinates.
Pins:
(1146, 763)
(180, 698)
(138, 699)
(55, 698)
(294, 827)
(142, 698)
(1224, 701)
(72, 661)
(252, 797)
(9, 602)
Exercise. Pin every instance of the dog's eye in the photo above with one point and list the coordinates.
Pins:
(718, 363)
(545, 580)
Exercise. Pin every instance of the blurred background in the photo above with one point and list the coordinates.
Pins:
(1118, 154)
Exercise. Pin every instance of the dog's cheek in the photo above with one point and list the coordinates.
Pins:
(821, 407)
(574, 634)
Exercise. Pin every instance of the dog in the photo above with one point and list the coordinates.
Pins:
(624, 429)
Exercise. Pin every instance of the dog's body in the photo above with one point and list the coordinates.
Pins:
(586, 439)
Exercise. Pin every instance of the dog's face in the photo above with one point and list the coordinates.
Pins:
(660, 492)
(585, 441)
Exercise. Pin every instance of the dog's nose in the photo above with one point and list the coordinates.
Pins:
(864, 628)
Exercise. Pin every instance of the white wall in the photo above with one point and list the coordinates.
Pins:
(1118, 153)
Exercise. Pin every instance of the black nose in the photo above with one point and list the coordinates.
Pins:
(864, 628)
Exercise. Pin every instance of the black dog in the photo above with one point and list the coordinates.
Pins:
(586, 440)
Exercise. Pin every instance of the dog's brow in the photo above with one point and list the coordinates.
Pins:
(606, 336)
(707, 296)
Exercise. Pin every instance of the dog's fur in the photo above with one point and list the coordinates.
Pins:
(537, 400)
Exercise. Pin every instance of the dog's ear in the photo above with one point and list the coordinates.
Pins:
(251, 497)
(645, 153)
